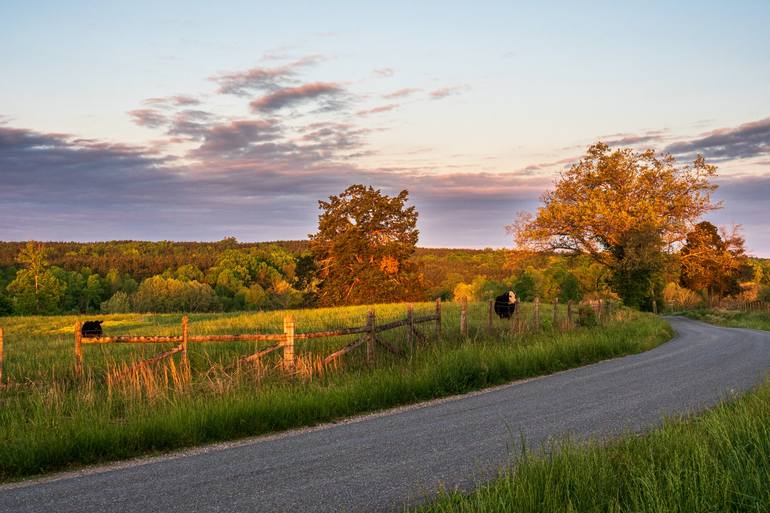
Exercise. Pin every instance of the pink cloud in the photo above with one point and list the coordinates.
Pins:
(291, 95)
(400, 93)
(377, 110)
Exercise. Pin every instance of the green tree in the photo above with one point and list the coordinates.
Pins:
(363, 247)
(36, 289)
(614, 201)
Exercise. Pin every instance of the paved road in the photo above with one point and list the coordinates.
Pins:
(382, 462)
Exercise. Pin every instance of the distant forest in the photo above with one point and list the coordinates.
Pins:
(137, 276)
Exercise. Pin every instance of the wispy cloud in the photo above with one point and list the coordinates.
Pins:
(172, 101)
(287, 96)
(744, 141)
(385, 72)
(443, 92)
(401, 93)
(150, 118)
(245, 82)
(378, 110)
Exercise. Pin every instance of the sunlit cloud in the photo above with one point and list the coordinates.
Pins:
(289, 96)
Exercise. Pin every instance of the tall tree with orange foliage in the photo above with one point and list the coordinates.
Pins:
(363, 247)
(626, 209)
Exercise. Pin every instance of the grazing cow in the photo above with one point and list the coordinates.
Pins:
(91, 329)
(505, 305)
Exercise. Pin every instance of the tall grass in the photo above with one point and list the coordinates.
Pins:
(732, 318)
(49, 420)
(718, 461)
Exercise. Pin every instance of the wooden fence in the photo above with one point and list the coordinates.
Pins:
(284, 341)
(755, 306)
(369, 334)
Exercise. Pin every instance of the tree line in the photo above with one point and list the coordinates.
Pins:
(618, 223)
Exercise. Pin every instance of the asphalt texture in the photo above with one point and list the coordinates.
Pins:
(387, 461)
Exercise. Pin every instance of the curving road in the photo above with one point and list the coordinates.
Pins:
(382, 462)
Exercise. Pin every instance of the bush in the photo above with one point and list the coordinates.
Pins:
(118, 303)
(587, 316)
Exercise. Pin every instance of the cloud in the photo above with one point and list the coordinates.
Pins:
(242, 83)
(745, 141)
(150, 118)
(378, 110)
(288, 96)
(384, 72)
(172, 101)
(438, 94)
(401, 93)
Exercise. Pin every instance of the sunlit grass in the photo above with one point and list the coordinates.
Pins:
(50, 419)
(716, 462)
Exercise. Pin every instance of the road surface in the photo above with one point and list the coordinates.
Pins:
(383, 462)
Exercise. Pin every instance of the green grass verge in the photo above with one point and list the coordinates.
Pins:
(59, 427)
(715, 462)
(732, 318)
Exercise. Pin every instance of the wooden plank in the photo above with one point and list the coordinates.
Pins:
(78, 350)
(370, 323)
(409, 331)
(288, 342)
(387, 346)
(150, 361)
(438, 319)
(464, 317)
(332, 333)
(260, 354)
(344, 350)
(128, 339)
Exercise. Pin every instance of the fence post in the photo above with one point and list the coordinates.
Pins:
(516, 318)
(1, 356)
(78, 350)
(438, 319)
(410, 326)
(370, 325)
(185, 320)
(464, 317)
(536, 314)
(569, 314)
(555, 318)
(288, 343)
(490, 313)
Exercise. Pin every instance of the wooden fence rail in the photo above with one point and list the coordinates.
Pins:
(284, 341)
(369, 333)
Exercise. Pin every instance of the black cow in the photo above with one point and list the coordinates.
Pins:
(91, 329)
(505, 305)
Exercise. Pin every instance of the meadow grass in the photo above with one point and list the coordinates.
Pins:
(50, 420)
(731, 318)
(718, 461)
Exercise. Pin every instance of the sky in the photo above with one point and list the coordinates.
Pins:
(202, 120)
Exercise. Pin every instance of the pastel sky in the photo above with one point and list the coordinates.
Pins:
(200, 120)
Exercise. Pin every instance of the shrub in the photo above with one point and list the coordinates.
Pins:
(587, 316)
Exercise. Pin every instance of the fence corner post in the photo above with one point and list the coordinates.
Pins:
(438, 319)
(410, 326)
(78, 350)
(370, 336)
(536, 314)
(464, 317)
(185, 339)
(555, 317)
(288, 342)
(490, 314)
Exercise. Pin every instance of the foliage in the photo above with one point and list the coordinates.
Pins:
(36, 289)
(158, 294)
(621, 207)
(587, 316)
(712, 263)
(680, 297)
(120, 302)
(364, 241)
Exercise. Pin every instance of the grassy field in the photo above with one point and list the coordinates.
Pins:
(732, 318)
(718, 461)
(50, 420)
